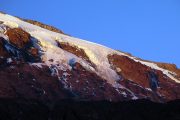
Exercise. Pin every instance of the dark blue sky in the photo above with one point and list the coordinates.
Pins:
(149, 29)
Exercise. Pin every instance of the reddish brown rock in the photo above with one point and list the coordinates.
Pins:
(130, 69)
(76, 51)
(162, 86)
(18, 37)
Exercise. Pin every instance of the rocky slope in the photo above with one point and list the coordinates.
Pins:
(40, 62)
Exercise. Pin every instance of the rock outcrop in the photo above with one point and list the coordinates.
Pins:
(18, 37)
(48, 27)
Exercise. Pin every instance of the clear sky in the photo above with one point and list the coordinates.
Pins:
(149, 29)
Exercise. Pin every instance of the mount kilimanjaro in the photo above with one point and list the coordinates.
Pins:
(39, 62)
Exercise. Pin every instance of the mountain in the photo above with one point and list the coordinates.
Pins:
(40, 62)
(46, 74)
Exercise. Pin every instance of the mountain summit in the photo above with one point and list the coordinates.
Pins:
(40, 62)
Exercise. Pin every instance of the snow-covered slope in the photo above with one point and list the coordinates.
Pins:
(52, 55)
(97, 53)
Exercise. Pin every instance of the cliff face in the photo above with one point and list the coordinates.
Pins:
(40, 62)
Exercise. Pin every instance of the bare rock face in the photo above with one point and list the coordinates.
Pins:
(18, 37)
(19, 47)
(130, 69)
(145, 77)
(75, 50)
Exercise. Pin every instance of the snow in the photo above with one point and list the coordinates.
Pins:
(118, 70)
(11, 24)
(149, 89)
(9, 60)
(54, 70)
(2, 28)
(3, 36)
(119, 86)
(124, 94)
(96, 53)
(39, 65)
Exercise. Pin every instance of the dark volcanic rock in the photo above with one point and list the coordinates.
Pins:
(30, 82)
(89, 86)
(3, 51)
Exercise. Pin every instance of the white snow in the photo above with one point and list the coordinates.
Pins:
(9, 60)
(11, 24)
(96, 53)
(39, 65)
(117, 85)
(3, 36)
(149, 89)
